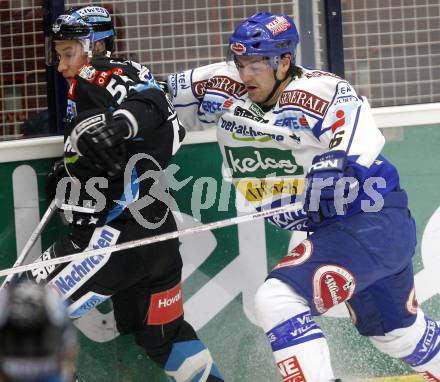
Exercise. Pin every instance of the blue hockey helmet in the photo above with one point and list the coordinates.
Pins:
(87, 25)
(37, 338)
(265, 34)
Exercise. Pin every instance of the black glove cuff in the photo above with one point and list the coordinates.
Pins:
(124, 116)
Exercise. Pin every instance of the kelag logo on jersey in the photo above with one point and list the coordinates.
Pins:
(248, 162)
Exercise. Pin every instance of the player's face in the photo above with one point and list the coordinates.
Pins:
(71, 58)
(257, 75)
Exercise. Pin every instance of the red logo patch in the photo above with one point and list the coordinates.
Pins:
(279, 25)
(340, 121)
(165, 306)
(71, 92)
(238, 48)
(411, 302)
(117, 71)
(428, 376)
(103, 77)
(297, 255)
(291, 370)
(331, 285)
(228, 103)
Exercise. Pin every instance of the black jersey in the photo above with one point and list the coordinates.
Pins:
(115, 84)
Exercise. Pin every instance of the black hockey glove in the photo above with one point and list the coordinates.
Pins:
(100, 136)
(55, 174)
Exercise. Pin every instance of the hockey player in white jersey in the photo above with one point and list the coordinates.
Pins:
(289, 133)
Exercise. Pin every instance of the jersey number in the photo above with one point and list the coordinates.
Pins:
(336, 140)
(115, 89)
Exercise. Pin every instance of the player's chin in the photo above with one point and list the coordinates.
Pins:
(254, 95)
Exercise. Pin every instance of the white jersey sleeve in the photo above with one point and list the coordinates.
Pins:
(348, 123)
(200, 94)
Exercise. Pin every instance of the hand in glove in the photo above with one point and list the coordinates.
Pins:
(326, 191)
(100, 136)
(55, 174)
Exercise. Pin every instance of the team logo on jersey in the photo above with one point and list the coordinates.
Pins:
(293, 122)
(256, 190)
(103, 77)
(93, 11)
(227, 104)
(340, 121)
(345, 95)
(87, 72)
(73, 276)
(411, 302)
(41, 274)
(238, 48)
(291, 370)
(222, 84)
(298, 255)
(165, 306)
(305, 100)
(198, 88)
(212, 107)
(245, 133)
(241, 112)
(319, 73)
(248, 162)
(85, 304)
(332, 285)
(279, 25)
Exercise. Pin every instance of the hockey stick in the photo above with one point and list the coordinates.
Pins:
(32, 240)
(153, 239)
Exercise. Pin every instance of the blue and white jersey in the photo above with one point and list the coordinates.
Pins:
(267, 154)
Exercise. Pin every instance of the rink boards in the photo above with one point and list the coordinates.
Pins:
(223, 268)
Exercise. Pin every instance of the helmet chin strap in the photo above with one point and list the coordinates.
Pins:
(275, 87)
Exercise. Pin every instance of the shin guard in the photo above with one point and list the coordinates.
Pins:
(191, 361)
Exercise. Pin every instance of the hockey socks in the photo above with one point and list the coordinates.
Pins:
(191, 361)
(298, 344)
(418, 345)
(425, 359)
(300, 350)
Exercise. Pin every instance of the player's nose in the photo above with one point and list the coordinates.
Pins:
(62, 67)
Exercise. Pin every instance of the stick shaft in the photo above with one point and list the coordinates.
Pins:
(32, 239)
(154, 239)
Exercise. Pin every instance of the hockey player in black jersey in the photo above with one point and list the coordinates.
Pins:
(121, 133)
